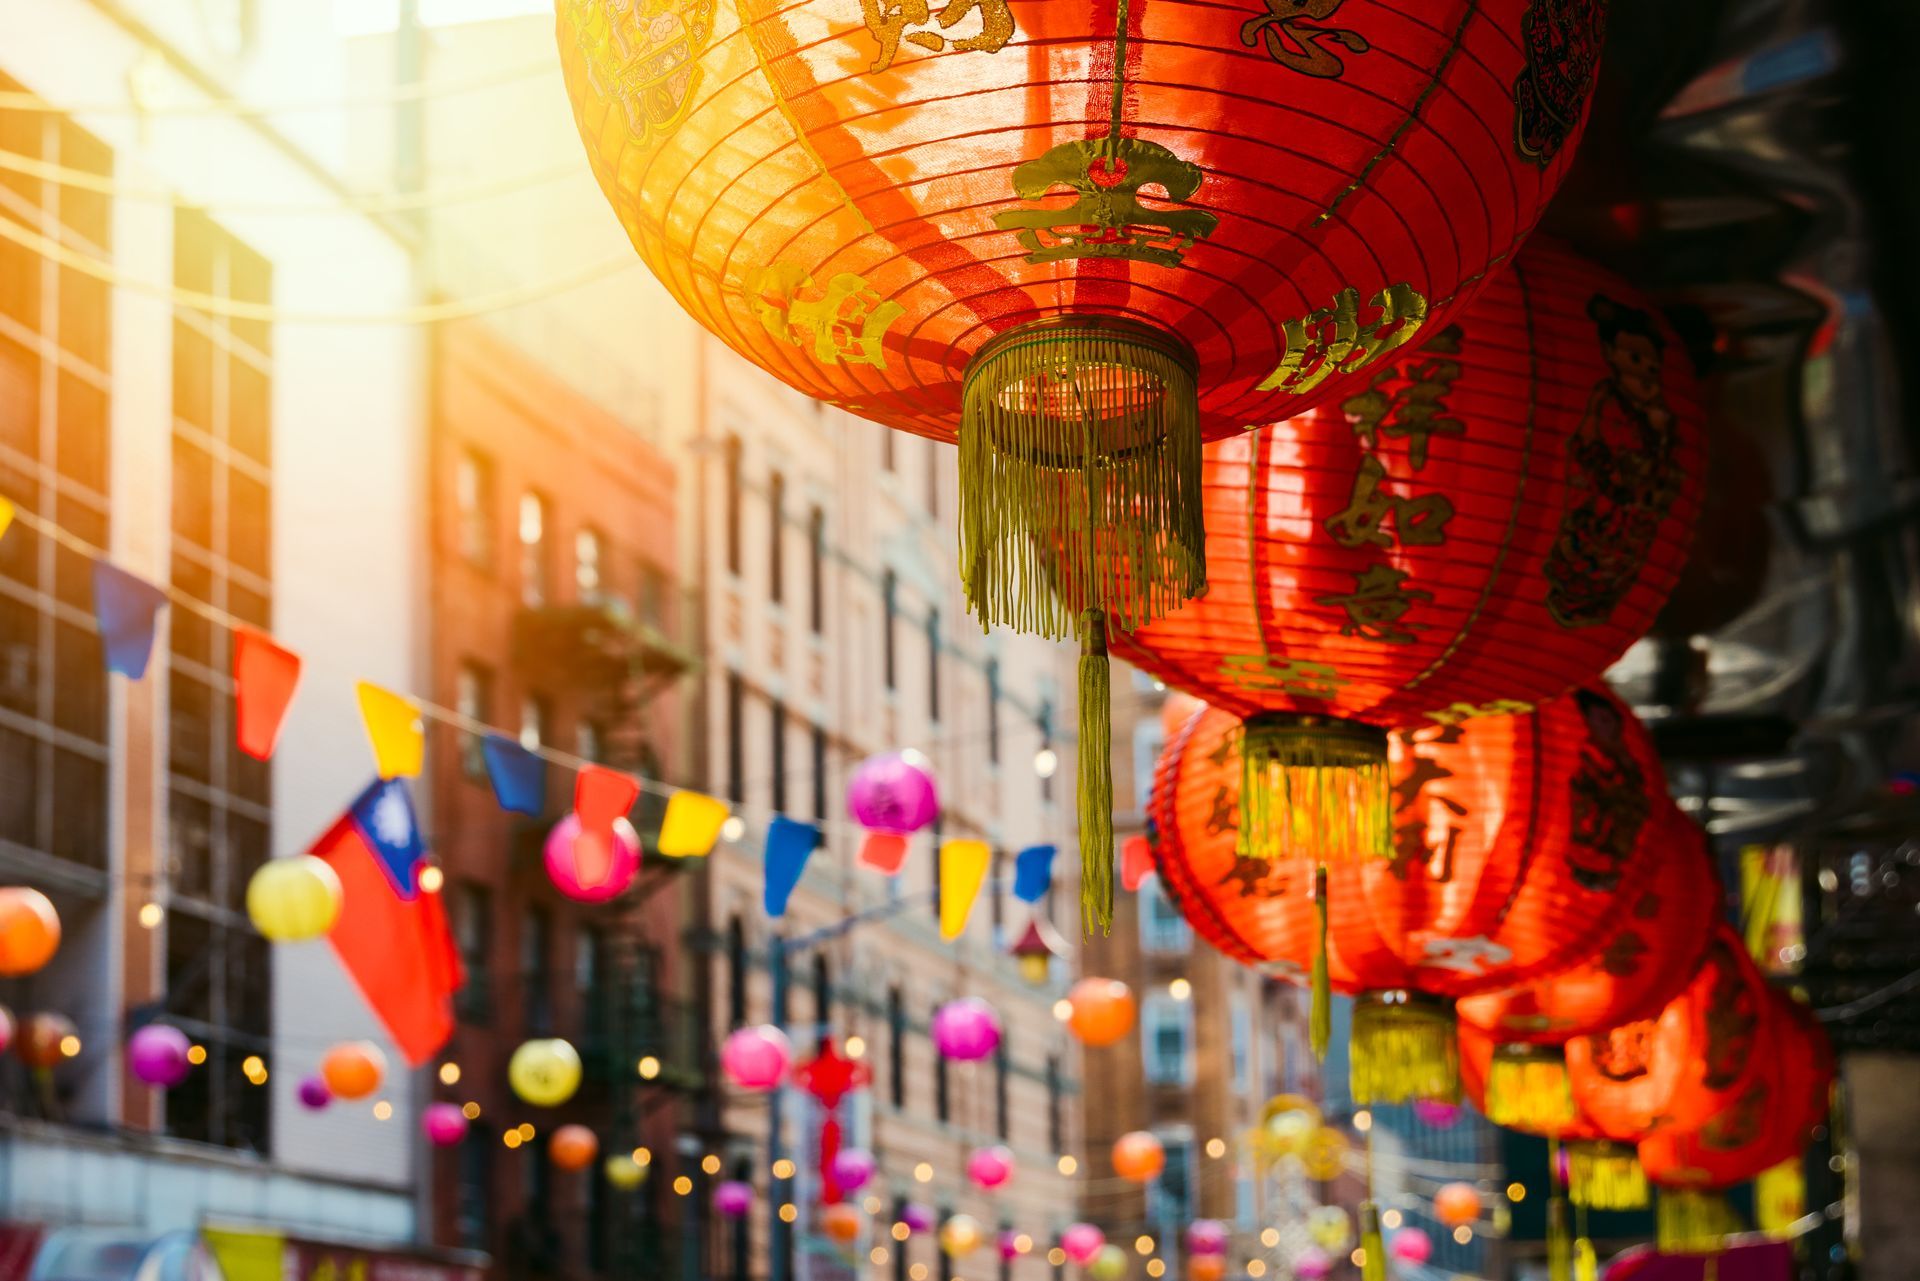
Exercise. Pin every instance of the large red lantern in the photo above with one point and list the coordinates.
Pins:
(1493, 520)
(1077, 235)
(1518, 841)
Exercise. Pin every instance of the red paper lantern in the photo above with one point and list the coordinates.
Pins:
(1077, 237)
(1519, 840)
(1493, 520)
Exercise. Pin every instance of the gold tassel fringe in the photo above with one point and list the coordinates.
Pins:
(1606, 1176)
(1320, 1013)
(1527, 1088)
(1314, 787)
(1096, 776)
(1080, 476)
(1688, 1221)
(1559, 1241)
(1586, 1264)
(1403, 1048)
(1374, 1246)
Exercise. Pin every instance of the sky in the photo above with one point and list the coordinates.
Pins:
(368, 17)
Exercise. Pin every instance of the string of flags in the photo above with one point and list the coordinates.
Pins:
(267, 678)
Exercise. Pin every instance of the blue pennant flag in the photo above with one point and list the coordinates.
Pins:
(519, 777)
(125, 608)
(1033, 873)
(789, 845)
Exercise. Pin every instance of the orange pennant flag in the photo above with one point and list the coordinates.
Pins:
(265, 676)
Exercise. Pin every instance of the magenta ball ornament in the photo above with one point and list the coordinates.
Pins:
(313, 1094)
(991, 1167)
(893, 792)
(756, 1058)
(918, 1218)
(853, 1169)
(157, 1055)
(589, 868)
(1206, 1236)
(1312, 1264)
(1082, 1243)
(444, 1124)
(1411, 1245)
(733, 1199)
(966, 1030)
(1008, 1243)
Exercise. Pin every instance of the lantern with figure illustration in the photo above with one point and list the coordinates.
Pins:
(1077, 238)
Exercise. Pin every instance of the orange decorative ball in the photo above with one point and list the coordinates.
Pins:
(573, 1147)
(47, 1040)
(1456, 1204)
(1206, 1267)
(1103, 1011)
(353, 1069)
(842, 1222)
(29, 930)
(1138, 1157)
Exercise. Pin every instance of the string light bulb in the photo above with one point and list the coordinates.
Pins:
(1046, 762)
(449, 1073)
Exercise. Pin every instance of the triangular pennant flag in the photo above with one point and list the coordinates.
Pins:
(600, 795)
(265, 676)
(125, 608)
(1033, 873)
(789, 845)
(884, 852)
(519, 777)
(6, 515)
(691, 825)
(963, 869)
(1136, 862)
(393, 728)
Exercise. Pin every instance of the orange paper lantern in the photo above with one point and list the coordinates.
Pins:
(1077, 237)
(1206, 1267)
(573, 1147)
(353, 1069)
(1138, 1157)
(1103, 1011)
(1456, 1204)
(842, 1222)
(29, 930)
(46, 1041)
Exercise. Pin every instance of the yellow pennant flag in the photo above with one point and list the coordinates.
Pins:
(393, 727)
(691, 825)
(6, 515)
(963, 868)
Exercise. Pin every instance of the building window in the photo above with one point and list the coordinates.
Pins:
(1056, 1117)
(589, 977)
(822, 996)
(1246, 1207)
(1163, 931)
(942, 1086)
(886, 450)
(472, 923)
(933, 478)
(1166, 1039)
(533, 549)
(736, 973)
(1170, 1197)
(933, 665)
(533, 722)
(896, 1048)
(889, 593)
(654, 592)
(473, 700)
(219, 801)
(997, 885)
(1045, 722)
(993, 711)
(819, 774)
(1240, 1043)
(777, 736)
(473, 502)
(736, 732)
(587, 546)
(536, 978)
(817, 570)
(473, 1201)
(1002, 1071)
(1148, 738)
(731, 453)
(776, 537)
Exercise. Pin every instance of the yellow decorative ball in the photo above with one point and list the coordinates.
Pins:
(544, 1073)
(623, 1172)
(961, 1235)
(1329, 1228)
(294, 899)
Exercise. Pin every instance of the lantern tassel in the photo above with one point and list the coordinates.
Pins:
(1689, 1221)
(1586, 1264)
(1527, 1088)
(1314, 787)
(1606, 1176)
(1403, 1048)
(1096, 775)
(1372, 1245)
(1320, 1017)
(1559, 1241)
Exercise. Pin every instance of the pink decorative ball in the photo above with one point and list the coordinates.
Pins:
(1312, 1264)
(1082, 1243)
(966, 1030)
(1009, 1243)
(756, 1058)
(894, 792)
(444, 1124)
(157, 1055)
(1206, 1236)
(733, 1199)
(917, 1217)
(1435, 1114)
(853, 1169)
(990, 1167)
(314, 1094)
(1411, 1245)
(590, 868)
